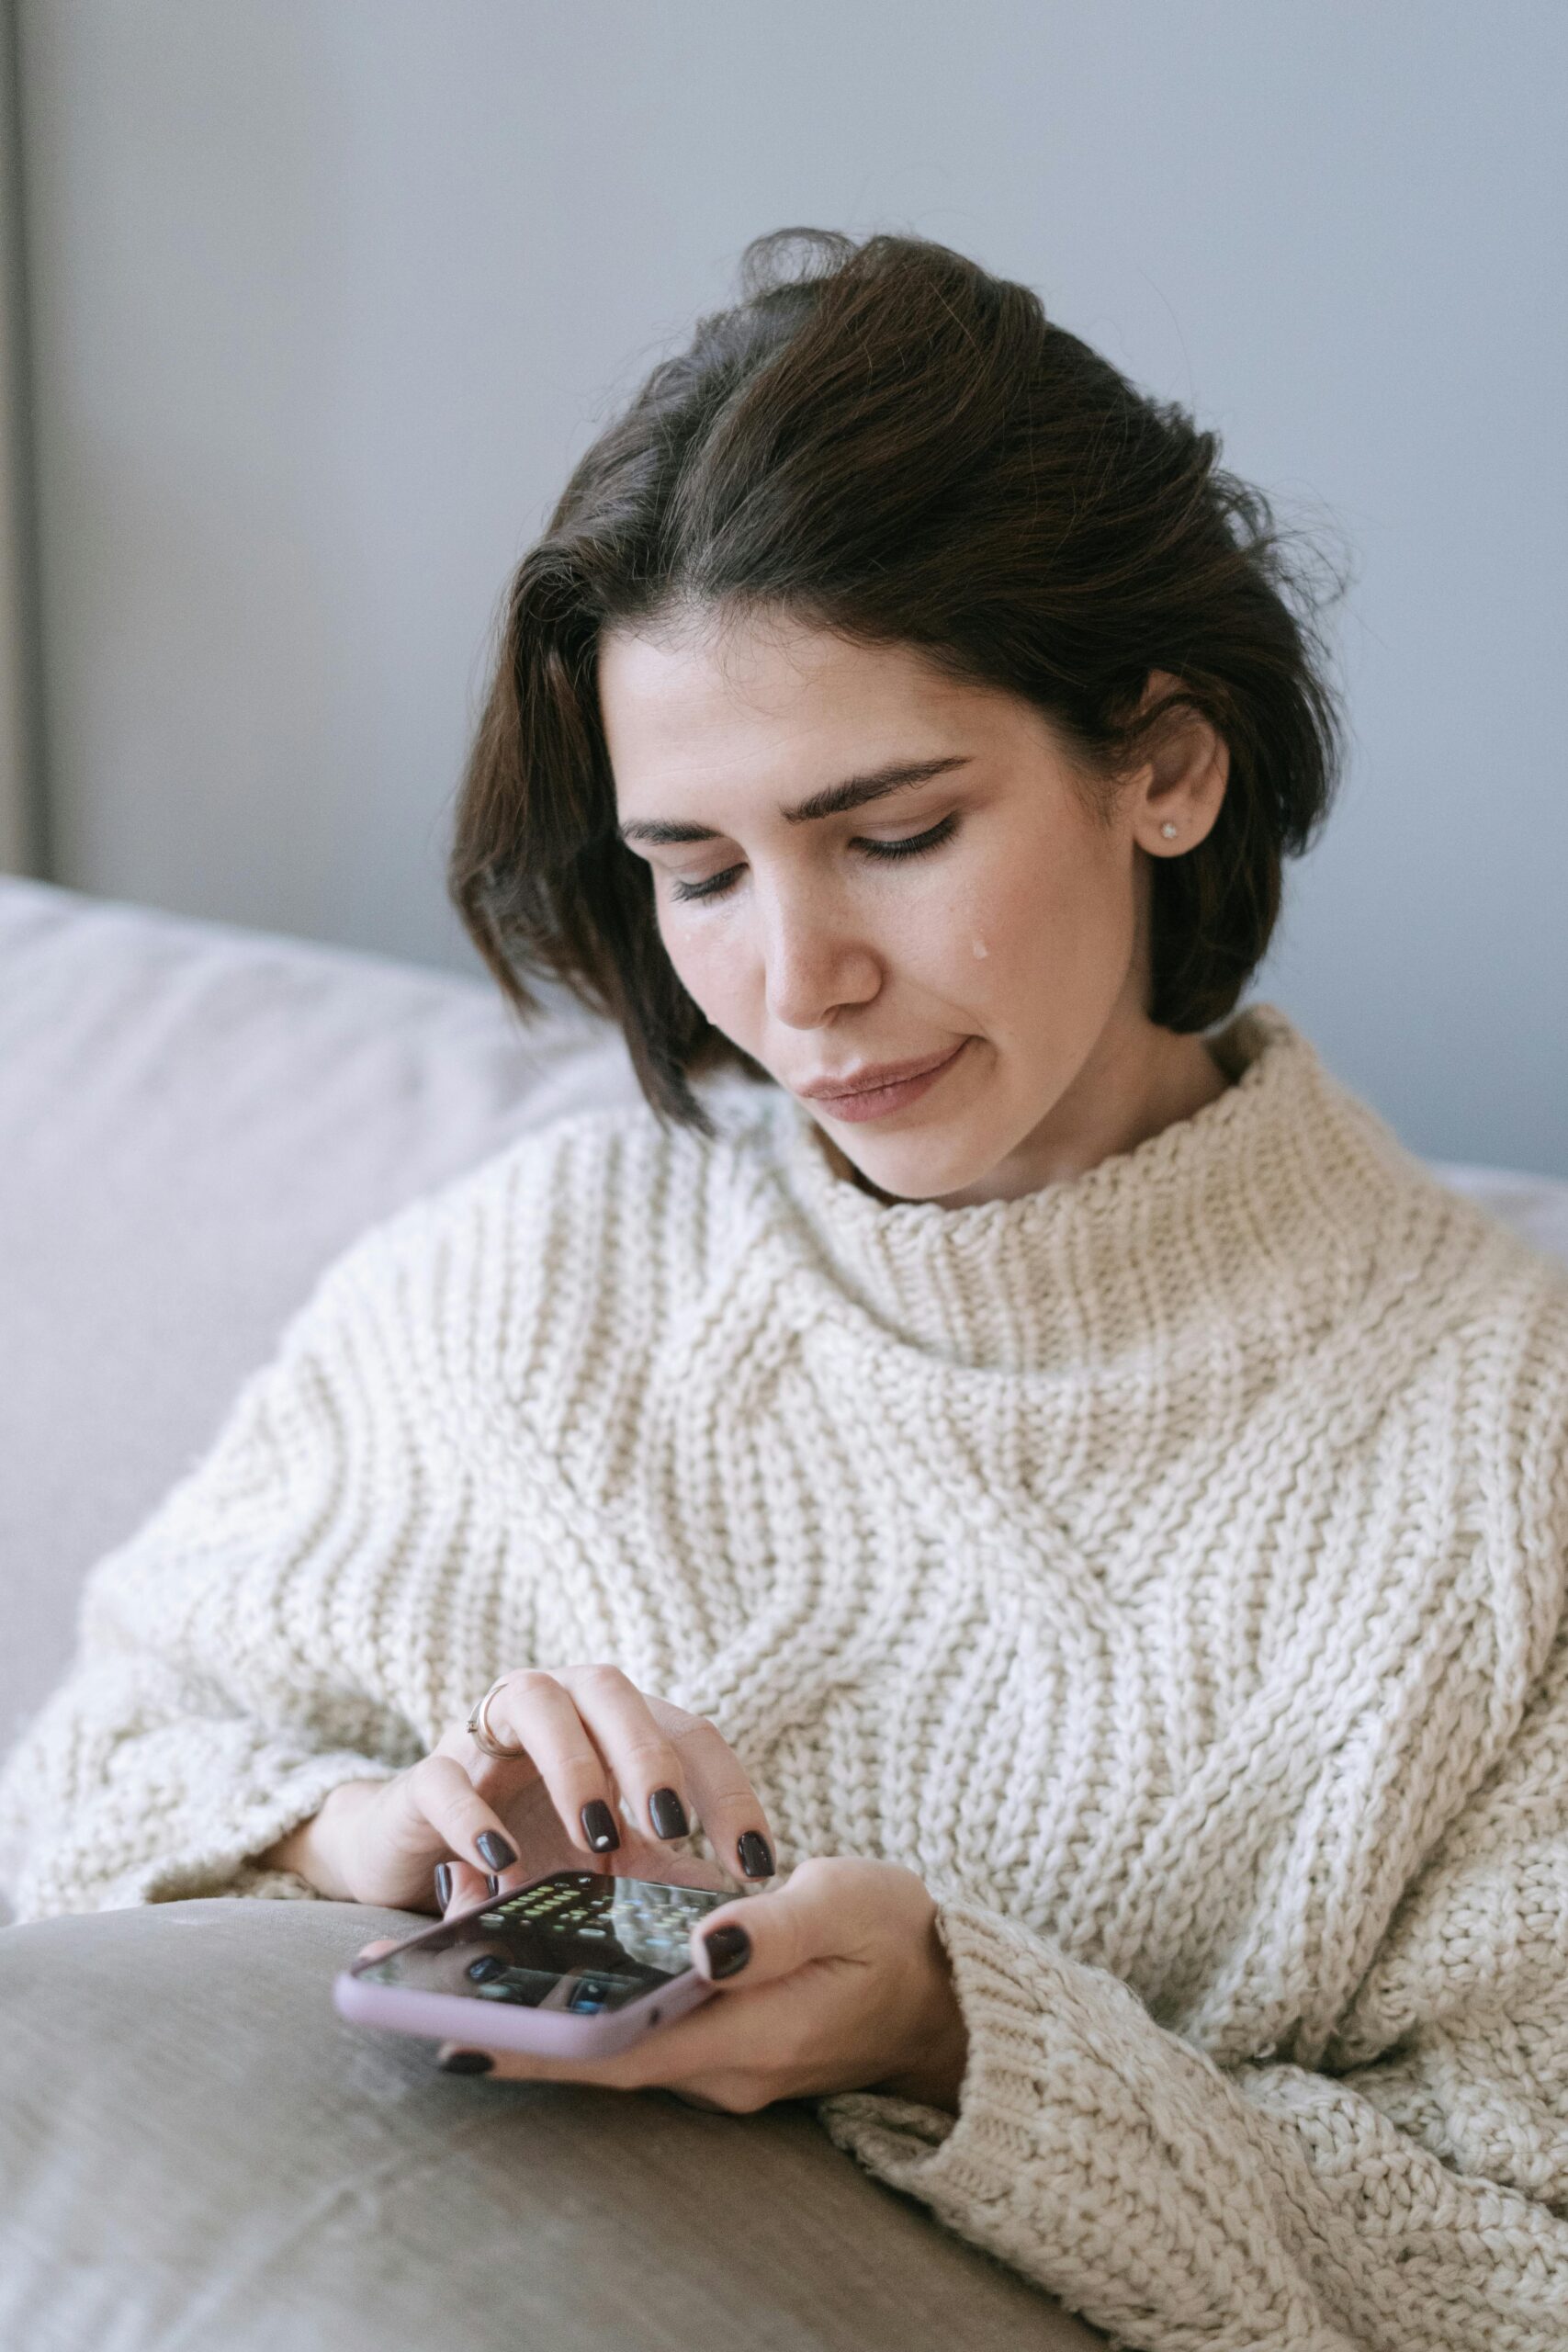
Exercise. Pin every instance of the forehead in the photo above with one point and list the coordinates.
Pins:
(771, 707)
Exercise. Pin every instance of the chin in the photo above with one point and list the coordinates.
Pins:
(914, 1166)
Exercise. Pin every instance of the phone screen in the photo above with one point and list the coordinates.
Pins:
(574, 1941)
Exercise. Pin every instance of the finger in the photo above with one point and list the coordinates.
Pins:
(728, 1806)
(534, 1710)
(460, 1886)
(470, 1829)
(648, 1771)
(536, 1830)
(533, 2067)
(503, 1779)
(374, 1950)
(812, 1916)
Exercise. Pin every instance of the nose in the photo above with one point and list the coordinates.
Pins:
(815, 963)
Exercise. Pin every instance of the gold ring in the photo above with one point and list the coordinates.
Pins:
(484, 1739)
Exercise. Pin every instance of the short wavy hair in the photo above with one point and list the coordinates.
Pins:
(885, 441)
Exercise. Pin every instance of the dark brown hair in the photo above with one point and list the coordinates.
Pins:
(886, 441)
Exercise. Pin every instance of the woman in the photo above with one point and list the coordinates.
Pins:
(1025, 1450)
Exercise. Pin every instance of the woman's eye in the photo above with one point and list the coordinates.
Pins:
(913, 842)
(715, 886)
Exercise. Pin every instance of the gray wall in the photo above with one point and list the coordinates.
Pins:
(327, 295)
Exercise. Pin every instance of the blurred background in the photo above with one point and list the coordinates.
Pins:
(310, 305)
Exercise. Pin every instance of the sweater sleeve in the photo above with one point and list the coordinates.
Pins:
(225, 1676)
(1410, 2194)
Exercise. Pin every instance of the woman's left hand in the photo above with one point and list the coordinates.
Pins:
(836, 1980)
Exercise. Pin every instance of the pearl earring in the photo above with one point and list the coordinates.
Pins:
(1170, 831)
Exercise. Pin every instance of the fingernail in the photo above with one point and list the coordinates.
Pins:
(728, 1950)
(668, 1813)
(755, 1859)
(495, 1850)
(444, 1883)
(599, 1827)
(493, 1884)
(467, 2062)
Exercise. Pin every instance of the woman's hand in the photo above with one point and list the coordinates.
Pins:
(610, 1780)
(836, 1980)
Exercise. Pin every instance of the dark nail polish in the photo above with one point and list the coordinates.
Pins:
(667, 1813)
(599, 1827)
(467, 2062)
(495, 1849)
(444, 1883)
(728, 1950)
(755, 1859)
(493, 1884)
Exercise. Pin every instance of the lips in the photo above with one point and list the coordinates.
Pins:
(874, 1079)
(881, 1087)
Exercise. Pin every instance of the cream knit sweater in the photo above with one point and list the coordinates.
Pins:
(1168, 1566)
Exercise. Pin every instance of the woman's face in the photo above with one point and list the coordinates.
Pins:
(889, 889)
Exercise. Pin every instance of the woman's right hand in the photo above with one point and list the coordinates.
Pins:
(610, 1780)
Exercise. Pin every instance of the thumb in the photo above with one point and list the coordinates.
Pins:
(760, 1938)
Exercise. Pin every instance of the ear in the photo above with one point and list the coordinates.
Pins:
(1182, 781)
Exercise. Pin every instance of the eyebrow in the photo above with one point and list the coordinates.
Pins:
(833, 801)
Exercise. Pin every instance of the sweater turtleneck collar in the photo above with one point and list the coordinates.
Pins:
(1273, 1202)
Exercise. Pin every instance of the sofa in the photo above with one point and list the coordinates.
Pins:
(194, 2150)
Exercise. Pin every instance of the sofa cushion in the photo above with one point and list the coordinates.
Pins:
(196, 2152)
(1536, 1207)
(193, 1121)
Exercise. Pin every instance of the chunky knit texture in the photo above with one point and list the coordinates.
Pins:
(1167, 1566)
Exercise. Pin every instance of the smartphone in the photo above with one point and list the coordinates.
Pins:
(576, 1965)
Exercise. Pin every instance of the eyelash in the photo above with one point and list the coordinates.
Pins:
(912, 845)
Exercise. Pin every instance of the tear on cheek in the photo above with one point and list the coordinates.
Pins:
(978, 949)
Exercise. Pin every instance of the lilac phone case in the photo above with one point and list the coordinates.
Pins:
(491, 2025)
